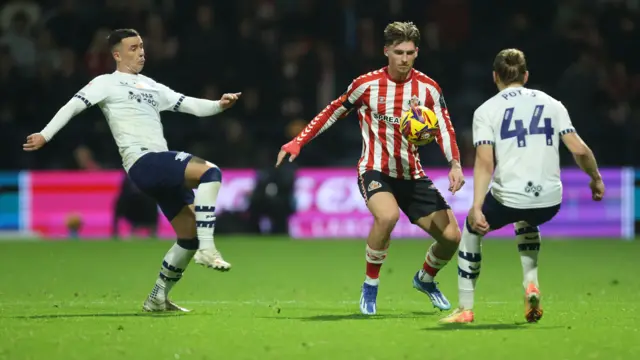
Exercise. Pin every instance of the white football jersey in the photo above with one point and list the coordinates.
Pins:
(525, 127)
(132, 104)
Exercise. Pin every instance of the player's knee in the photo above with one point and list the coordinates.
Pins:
(387, 219)
(212, 174)
(452, 235)
(188, 244)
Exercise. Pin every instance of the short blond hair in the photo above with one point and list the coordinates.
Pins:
(398, 32)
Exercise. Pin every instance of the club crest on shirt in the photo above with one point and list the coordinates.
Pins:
(414, 101)
(374, 185)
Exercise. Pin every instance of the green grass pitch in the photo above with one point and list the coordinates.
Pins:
(288, 299)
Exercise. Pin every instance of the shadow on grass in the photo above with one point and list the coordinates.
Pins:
(514, 326)
(342, 317)
(99, 315)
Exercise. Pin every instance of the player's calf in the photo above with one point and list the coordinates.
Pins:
(384, 209)
(469, 264)
(442, 226)
(205, 206)
(528, 239)
(174, 264)
(368, 296)
(378, 243)
(209, 182)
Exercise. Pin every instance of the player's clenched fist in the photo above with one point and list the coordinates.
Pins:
(292, 148)
(228, 100)
(34, 142)
(597, 189)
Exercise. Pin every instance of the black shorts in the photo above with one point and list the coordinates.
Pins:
(499, 215)
(417, 198)
(161, 176)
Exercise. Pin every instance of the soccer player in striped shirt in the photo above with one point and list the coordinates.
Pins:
(391, 177)
(131, 104)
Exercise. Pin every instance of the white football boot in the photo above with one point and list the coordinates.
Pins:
(211, 258)
(157, 305)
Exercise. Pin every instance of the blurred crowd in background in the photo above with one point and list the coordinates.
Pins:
(289, 58)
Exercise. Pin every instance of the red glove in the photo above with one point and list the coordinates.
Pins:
(292, 148)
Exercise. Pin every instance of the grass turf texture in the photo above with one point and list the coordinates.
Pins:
(298, 300)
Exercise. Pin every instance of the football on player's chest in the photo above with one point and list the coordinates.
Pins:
(386, 109)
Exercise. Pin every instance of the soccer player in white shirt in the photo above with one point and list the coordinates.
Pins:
(131, 104)
(522, 128)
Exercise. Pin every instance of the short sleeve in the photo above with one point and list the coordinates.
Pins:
(483, 134)
(169, 99)
(564, 120)
(96, 91)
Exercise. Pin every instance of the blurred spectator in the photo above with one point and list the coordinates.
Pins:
(289, 63)
(29, 8)
(98, 59)
(20, 43)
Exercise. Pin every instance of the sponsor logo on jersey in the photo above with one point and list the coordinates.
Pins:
(533, 188)
(143, 97)
(386, 118)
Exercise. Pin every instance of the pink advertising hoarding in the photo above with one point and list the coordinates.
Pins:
(329, 204)
(57, 195)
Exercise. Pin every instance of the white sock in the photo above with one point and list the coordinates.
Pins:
(205, 207)
(173, 266)
(433, 264)
(469, 260)
(375, 259)
(528, 238)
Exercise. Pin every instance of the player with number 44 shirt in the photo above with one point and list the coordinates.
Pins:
(521, 128)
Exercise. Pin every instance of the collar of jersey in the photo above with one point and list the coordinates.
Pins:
(386, 73)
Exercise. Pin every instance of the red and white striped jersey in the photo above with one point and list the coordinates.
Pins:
(379, 102)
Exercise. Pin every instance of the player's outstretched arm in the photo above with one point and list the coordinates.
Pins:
(69, 110)
(337, 109)
(586, 161)
(94, 92)
(204, 107)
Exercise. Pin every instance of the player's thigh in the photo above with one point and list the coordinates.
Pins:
(427, 208)
(497, 214)
(539, 216)
(442, 226)
(184, 223)
(378, 194)
(196, 167)
(154, 172)
(177, 206)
